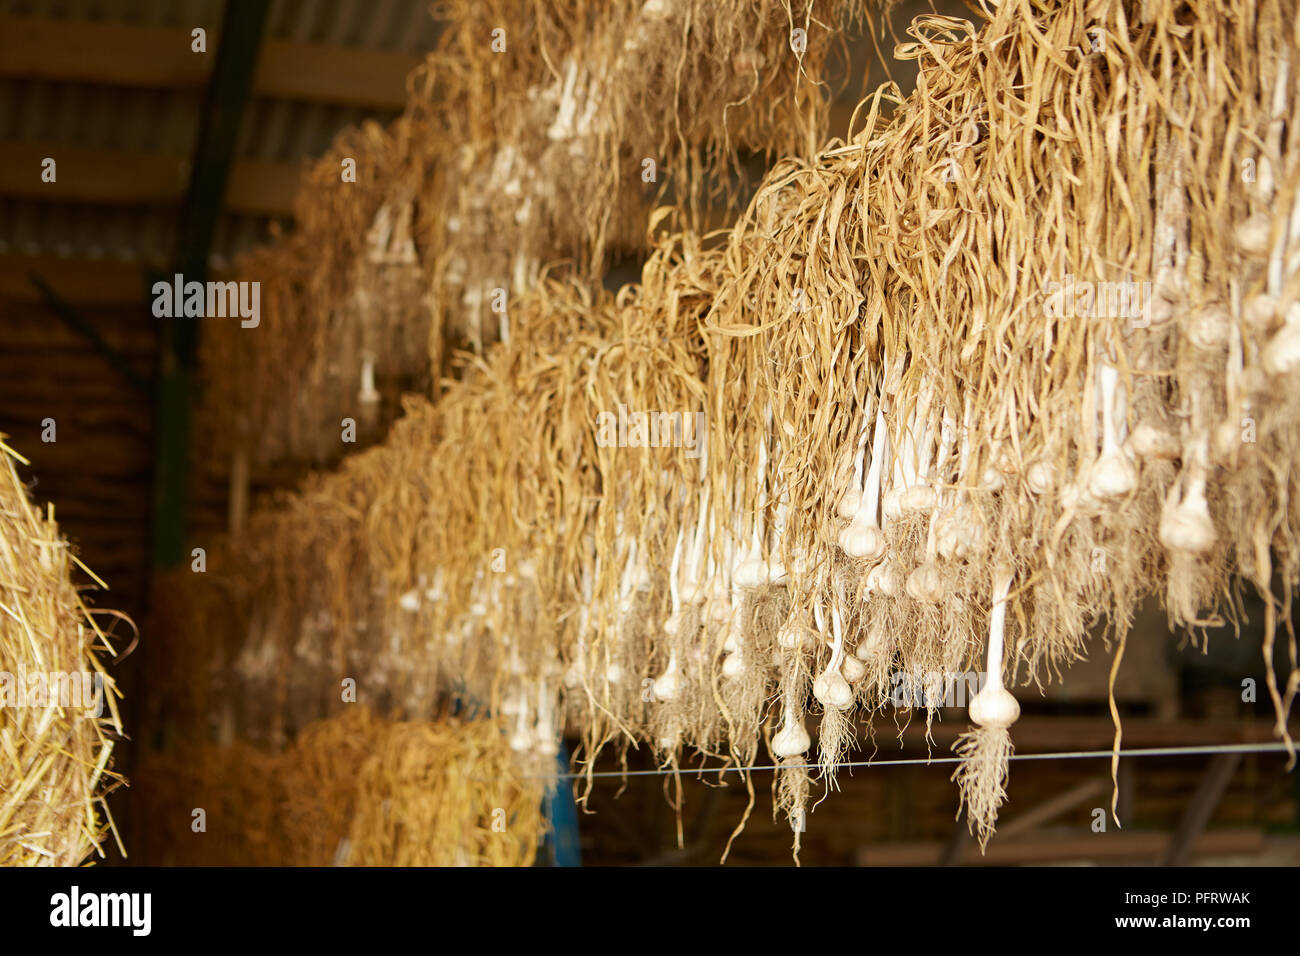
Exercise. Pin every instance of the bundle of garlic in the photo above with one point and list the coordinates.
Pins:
(534, 134)
(974, 386)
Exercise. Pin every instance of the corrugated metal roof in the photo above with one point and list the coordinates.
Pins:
(129, 119)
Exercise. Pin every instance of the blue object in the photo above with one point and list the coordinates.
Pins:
(560, 846)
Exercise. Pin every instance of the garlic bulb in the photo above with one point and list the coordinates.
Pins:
(958, 533)
(863, 538)
(884, 579)
(849, 502)
(731, 642)
(1260, 312)
(733, 665)
(792, 739)
(1282, 354)
(1040, 477)
(1077, 497)
(573, 677)
(995, 706)
(1147, 441)
(918, 498)
(1210, 328)
(668, 684)
(925, 584)
(872, 645)
(852, 669)
(750, 573)
(832, 690)
(790, 636)
(1113, 473)
(1186, 525)
(1252, 234)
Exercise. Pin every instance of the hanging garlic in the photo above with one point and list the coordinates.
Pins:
(925, 583)
(1040, 477)
(521, 740)
(368, 395)
(1186, 525)
(851, 500)
(985, 752)
(667, 684)
(790, 637)
(545, 737)
(1282, 354)
(863, 537)
(1113, 473)
(852, 668)
(792, 739)
(830, 688)
(1149, 442)
(1252, 234)
(919, 495)
(884, 579)
(733, 665)
(1210, 328)
(873, 644)
(752, 570)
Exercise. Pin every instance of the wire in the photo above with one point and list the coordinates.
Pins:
(913, 761)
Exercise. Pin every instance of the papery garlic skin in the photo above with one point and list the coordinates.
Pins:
(733, 665)
(1150, 442)
(1187, 526)
(1282, 354)
(994, 706)
(1040, 477)
(852, 668)
(831, 689)
(925, 584)
(791, 740)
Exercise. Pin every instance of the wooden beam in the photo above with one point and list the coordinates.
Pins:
(227, 96)
(80, 281)
(1056, 849)
(101, 52)
(91, 175)
(331, 74)
(262, 188)
(1049, 810)
(119, 54)
(70, 316)
(1208, 794)
(120, 177)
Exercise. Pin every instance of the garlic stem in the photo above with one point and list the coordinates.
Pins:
(863, 538)
(994, 705)
(1113, 474)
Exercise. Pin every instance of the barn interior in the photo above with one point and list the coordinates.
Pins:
(249, 486)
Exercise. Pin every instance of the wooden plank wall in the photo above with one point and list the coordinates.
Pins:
(97, 471)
